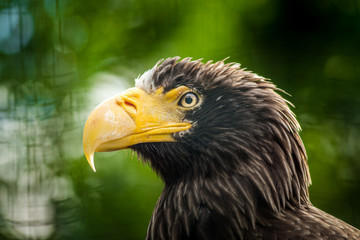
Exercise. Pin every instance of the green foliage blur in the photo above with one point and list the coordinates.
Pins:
(60, 58)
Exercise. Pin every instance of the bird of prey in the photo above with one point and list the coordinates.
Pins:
(225, 143)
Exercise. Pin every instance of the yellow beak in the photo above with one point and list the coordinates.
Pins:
(133, 117)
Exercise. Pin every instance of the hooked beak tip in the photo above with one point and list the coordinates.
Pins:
(90, 159)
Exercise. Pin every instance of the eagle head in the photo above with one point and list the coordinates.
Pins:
(194, 120)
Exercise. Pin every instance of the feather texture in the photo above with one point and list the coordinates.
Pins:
(241, 171)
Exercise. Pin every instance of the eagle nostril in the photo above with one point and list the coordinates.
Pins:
(128, 106)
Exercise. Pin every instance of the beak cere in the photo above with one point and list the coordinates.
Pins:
(130, 118)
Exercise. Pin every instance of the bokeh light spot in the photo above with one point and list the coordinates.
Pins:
(16, 29)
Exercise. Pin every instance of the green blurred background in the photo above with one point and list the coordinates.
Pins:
(60, 58)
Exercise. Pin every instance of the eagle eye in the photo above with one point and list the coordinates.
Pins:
(189, 100)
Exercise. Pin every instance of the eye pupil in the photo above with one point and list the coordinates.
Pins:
(188, 100)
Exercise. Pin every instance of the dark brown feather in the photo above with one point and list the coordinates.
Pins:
(241, 171)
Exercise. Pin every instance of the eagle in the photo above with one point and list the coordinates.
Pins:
(227, 147)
